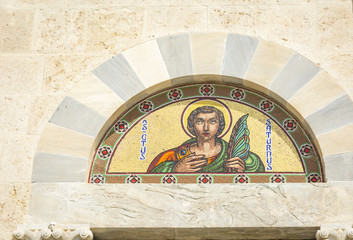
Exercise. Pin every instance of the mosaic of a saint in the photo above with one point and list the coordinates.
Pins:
(206, 122)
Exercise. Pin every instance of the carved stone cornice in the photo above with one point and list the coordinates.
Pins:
(63, 232)
(335, 232)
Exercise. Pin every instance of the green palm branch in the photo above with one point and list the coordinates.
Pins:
(239, 140)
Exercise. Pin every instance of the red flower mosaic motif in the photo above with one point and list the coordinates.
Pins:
(314, 178)
(290, 125)
(104, 152)
(241, 179)
(237, 94)
(306, 149)
(277, 178)
(206, 90)
(97, 179)
(169, 179)
(146, 106)
(205, 179)
(175, 94)
(133, 179)
(121, 126)
(266, 105)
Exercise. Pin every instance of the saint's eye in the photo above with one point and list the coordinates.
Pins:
(213, 121)
(199, 121)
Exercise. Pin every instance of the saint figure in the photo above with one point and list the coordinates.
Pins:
(206, 151)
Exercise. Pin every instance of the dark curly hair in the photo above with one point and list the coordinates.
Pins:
(205, 109)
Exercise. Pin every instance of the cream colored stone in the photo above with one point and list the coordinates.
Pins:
(292, 26)
(21, 74)
(334, 1)
(207, 52)
(60, 31)
(40, 113)
(340, 66)
(162, 21)
(14, 199)
(337, 141)
(318, 92)
(16, 158)
(39, 3)
(114, 30)
(16, 28)
(241, 2)
(348, 87)
(14, 111)
(248, 20)
(147, 62)
(267, 62)
(63, 71)
(60, 140)
(334, 31)
(117, 3)
(93, 93)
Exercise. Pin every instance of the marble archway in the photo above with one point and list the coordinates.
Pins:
(65, 147)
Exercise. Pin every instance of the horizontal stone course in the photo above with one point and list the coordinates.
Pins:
(192, 205)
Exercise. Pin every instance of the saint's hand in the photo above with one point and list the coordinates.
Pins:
(235, 164)
(191, 163)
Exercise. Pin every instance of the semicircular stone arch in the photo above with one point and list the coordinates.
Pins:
(64, 152)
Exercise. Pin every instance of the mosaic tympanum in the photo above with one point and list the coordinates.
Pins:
(206, 133)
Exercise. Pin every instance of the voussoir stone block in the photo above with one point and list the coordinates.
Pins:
(147, 62)
(49, 167)
(74, 115)
(318, 92)
(267, 61)
(336, 114)
(337, 141)
(207, 52)
(295, 74)
(93, 93)
(60, 140)
(339, 167)
(176, 54)
(118, 75)
(238, 54)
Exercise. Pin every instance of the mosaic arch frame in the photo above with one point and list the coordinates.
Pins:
(80, 121)
(107, 152)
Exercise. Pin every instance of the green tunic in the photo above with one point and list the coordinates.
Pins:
(252, 164)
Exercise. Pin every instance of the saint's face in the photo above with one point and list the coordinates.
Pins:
(206, 125)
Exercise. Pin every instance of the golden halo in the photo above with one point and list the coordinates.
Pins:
(206, 102)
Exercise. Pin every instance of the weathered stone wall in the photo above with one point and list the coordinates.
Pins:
(47, 46)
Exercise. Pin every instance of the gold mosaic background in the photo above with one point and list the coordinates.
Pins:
(165, 132)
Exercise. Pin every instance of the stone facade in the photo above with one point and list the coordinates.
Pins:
(49, 46)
